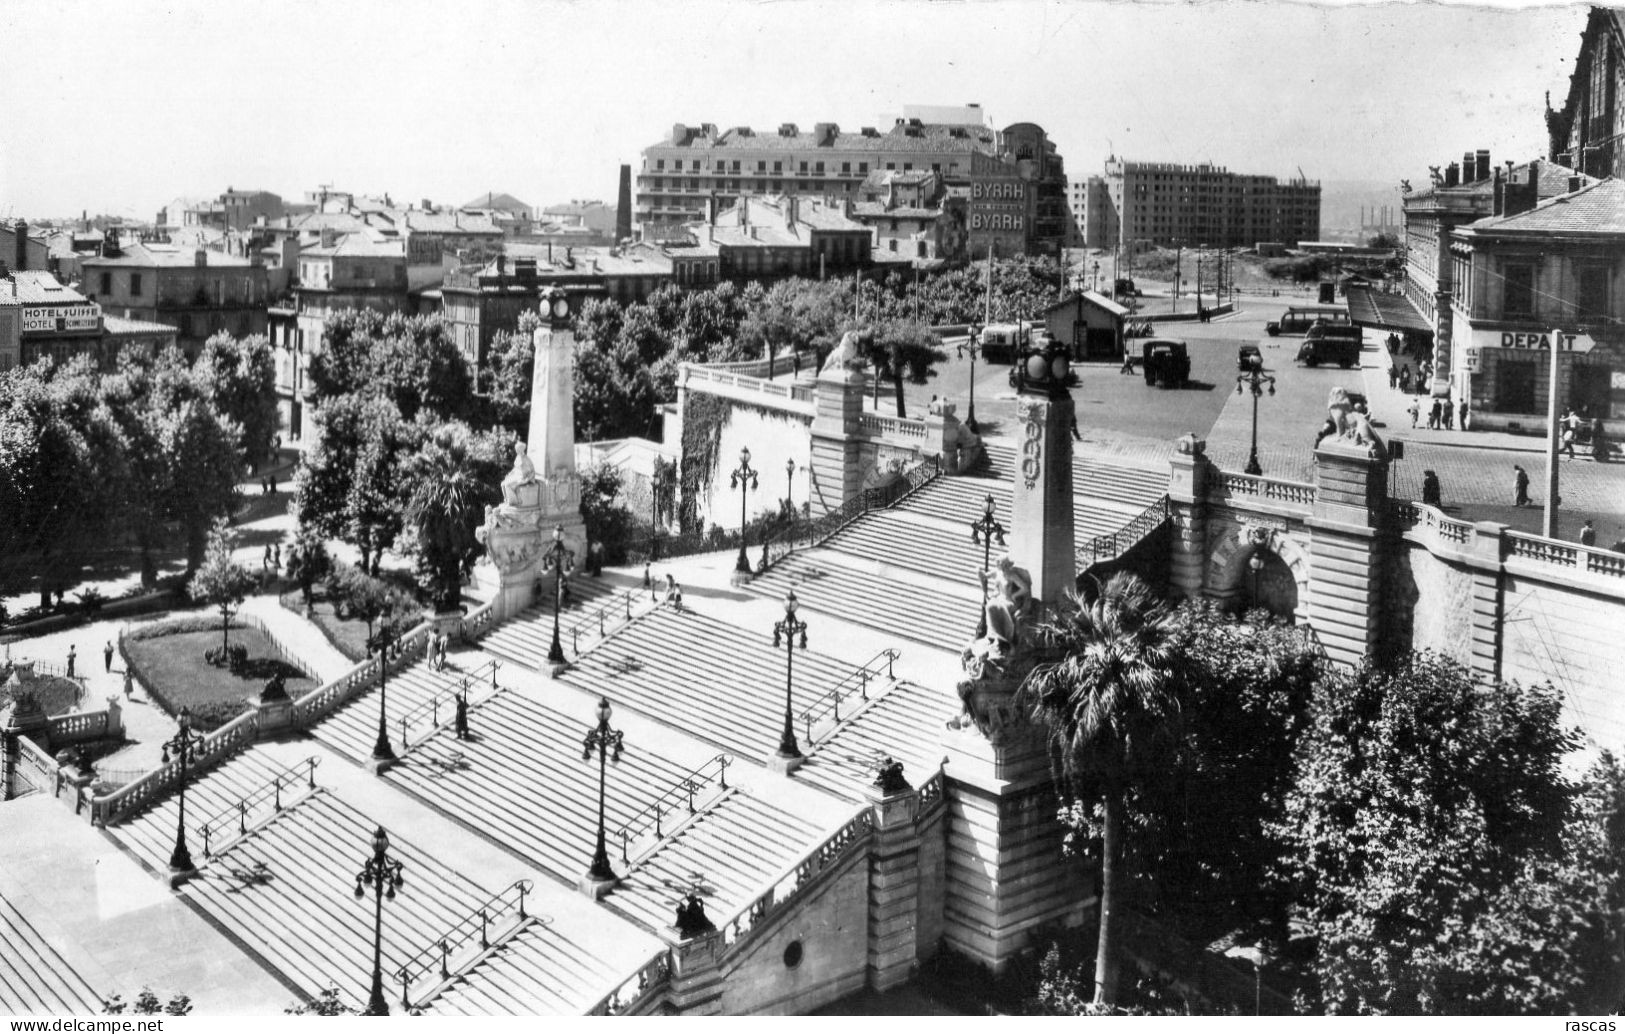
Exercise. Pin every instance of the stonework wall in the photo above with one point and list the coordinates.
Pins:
(832, 927)
(933, 832)
(1428, 603)
(1577, 640)
(772, 438)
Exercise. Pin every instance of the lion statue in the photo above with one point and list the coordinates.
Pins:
(850, 354)
(1345, 423)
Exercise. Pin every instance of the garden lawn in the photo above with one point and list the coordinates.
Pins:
(174, 671)
(348, 635)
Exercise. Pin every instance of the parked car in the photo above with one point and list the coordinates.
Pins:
(1249, 358)
(1331, 343)
(1299, 318)
(1167, 363)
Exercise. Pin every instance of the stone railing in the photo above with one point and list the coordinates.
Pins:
(325, 699)
(798, 880)
(36, 770)
(807, 534)
(1428, 524)
(218, 746)
(857, 682)
(79, 725)
(1565, 555)
(651, 978)
(892, 426)
(479, 621)
(1109, 547)
(930, 793)
(789, 395)
(1297, 494)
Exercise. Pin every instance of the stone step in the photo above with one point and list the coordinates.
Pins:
(729, 693)
(943, 619)
(34, 978)
(287, 893)
(906, 723)
(543, 971)
(528, 637)
(352, 730)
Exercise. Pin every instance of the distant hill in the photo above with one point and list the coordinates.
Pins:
(1341, 201)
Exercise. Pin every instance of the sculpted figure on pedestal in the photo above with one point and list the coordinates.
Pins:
(993, 662)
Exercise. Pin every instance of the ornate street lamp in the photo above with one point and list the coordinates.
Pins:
(983, 532)
(788, 630)
(972, 348)
(380, 642)
(384, 873)
(560, 560)
(1255, 564)
(607, 742)
(789, 488)
(1256, 380)
(743, 479)
(182, 746)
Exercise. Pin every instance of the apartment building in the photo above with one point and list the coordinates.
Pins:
(1165, 203)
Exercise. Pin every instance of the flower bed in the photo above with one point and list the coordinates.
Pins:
(55, 694)
(168, 660)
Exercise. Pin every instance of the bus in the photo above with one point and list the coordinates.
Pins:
(1299, 318)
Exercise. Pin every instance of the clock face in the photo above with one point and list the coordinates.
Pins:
(561, 308)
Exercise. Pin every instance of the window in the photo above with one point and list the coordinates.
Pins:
(819, 168)
(694, 166)
(863, 168)
(891, 166)
(846, 168)
(660, 165)
(135, 285)
(802, 169)
(1592, 297)
(107, 283)
(778, 167)
(761, 166)
(1518, 284)
(908, 166)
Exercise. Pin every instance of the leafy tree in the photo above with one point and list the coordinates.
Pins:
(607, 520)
(147, 1003)
(1107, 694)
(199, 446)
(1388, 241)
(614, 392)
(308, 563)
(512, 360)
(901, 348)
(221, 581)
(1441, 857)
(350, 485)
(407, 359)
(240, 374)
(452, 478)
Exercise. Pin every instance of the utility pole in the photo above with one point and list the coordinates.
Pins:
(1179, 261)
(1549, 523)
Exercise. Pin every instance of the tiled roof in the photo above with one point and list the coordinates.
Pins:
(1596, 209)
(507, 202)
(144, 254)
(358, 245)
(448, 222)
(37, 287)
(878, 210)
(119, 326)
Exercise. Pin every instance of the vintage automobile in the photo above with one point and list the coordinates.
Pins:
(1331, 343)
(1166, 363)
(1299, 318)
(1248, 357)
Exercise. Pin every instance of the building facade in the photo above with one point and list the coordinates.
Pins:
(1528, 282)
(1013, 180)
(1588, 133)
(1165, 203)
(198, 292)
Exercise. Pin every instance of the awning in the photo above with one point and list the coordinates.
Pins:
(1382, 310)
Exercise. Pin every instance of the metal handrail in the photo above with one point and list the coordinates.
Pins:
(431, 706)
(271, 791)
(1129, 535)
(832, 699)
(687, 786)
(476, 921)
(600, 615)
(807, 534)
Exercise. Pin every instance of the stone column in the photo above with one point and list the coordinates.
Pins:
(894, 882)
(837, 441)
(1345, 560)
(1041, 519)
(1489, 596)
(1187, 510)
(1442, 345)
(552, 437)
(696, 982)
(1004, 873)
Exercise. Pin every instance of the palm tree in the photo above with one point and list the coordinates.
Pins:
(1109, 698)
(446, 507)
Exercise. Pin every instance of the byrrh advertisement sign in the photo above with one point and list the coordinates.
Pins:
(58, 319)
(999, 205)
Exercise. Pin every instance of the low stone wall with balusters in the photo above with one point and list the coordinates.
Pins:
(1512, 606)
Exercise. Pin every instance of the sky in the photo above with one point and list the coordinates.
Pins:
(121, 107)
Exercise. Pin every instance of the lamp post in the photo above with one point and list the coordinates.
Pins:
(380, 642)
(182, 746)
(983, 532)
(789, 488)
(788, 630)
(971, 348)
(1255, 380)
(560, 561)
(743, 479)
(384, 873)
(607, 742)
(1255, 564)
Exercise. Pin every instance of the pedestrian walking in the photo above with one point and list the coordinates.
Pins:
(1414, 410)
(1405, 379)
(73, 657)
(1431, 494)
(265, 561)
(445, 642)
(1520, 486)
(674, 593)
(129, 685)
(1393, 378)
(1568, 442)
(460, 724)
(273, 484)
(107, 656)
(1588, 535)
(276, 557)
(1462, 409)
(1128, 361)
(1433, 416)
(1448, 414)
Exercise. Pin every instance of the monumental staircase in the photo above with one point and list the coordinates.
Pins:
(35, 980)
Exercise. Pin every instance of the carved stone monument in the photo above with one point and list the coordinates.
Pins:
(534, 501)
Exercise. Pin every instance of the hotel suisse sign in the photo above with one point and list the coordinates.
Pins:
(38, 319)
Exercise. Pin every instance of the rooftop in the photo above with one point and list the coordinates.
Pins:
(924, 138)
(154, 254)
(1598, 208)
(37, 287)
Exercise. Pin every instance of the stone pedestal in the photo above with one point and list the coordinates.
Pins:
(1041, 520)
(782, 765)
(1004, 872)
(836, 439)
(595, 888)
(696, 982)
(1187, 506)
(894, 886)
(959, 446)
(1345, 584)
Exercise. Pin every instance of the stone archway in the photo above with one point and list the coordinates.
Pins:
(1282, 580)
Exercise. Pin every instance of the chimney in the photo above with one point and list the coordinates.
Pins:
(790, 213)
(328, 237)
(710, 209)
(21, 251)
(1452, 174)
(502, 265)
(1468, 165)
(200, 258)
(744, 211)
(1482, 160)
(623, 205)
(1499, 206)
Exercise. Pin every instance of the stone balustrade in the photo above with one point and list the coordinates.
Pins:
(36, 769)
(651, 977)
(327, 698)
(881, 426)
(479, 621)
(1293, 494)
(1566, 555)
(788, 396)
(82, 725)
(796, 882)
(236, 735)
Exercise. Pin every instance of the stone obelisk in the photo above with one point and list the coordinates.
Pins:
(552, 437)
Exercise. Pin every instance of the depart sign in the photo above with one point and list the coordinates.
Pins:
(1532, 340)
